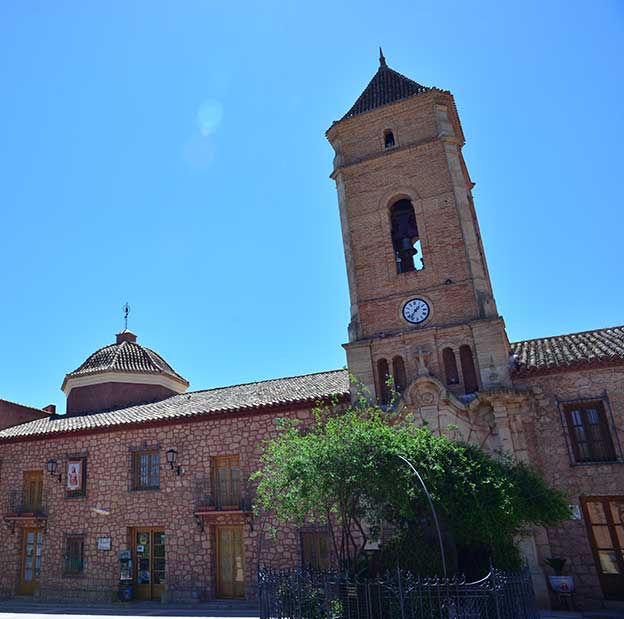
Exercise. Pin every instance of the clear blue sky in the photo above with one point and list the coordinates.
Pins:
(172, 154)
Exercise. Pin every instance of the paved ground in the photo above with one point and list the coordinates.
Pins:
(22, 609)
(17, 609)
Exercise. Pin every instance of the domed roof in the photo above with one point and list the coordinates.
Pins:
(125, 356)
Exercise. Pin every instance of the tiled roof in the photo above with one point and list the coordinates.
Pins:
(569, 351)
(387, 86)
(125, 356)
(251, 396)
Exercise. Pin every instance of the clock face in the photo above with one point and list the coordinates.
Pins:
(416, 311)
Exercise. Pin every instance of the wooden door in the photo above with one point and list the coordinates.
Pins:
(227, 482)
(230, 562)
(33, 492)
(605, 522)
(148, 559)
(30, 571)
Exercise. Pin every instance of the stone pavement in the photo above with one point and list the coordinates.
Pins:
(29, 609)
(607, 613)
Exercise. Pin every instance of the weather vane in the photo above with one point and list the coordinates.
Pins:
(126, 308)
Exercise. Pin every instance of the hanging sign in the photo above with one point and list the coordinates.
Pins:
(74, 475)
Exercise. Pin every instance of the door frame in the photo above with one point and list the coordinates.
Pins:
(218, 557)
(155, 590)
(33, 586)
(614, 539)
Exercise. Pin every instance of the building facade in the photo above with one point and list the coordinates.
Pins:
(137, 464)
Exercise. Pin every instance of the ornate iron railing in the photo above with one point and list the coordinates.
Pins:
(297, 594)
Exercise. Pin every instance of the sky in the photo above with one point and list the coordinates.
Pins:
(172, 155)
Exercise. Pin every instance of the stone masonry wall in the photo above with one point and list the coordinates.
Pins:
(190, 552)
(551, 454)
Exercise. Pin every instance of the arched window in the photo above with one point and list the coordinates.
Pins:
(383, 373)
(398, 373)
(450, 367)
(468, 369)
(389, 139)
(405, 241)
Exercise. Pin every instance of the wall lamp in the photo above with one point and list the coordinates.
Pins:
(172, 456)
(52, 468)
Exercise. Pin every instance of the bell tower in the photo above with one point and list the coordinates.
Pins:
(421, 297)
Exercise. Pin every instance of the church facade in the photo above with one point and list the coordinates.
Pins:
(140, 468)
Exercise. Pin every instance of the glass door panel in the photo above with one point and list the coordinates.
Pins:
(31, 561)
(605, 522)
(149, 561)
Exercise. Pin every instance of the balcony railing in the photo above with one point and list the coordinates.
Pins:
(210, 497)
(20, 505)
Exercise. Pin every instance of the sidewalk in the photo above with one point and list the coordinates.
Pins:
(606, 613)
(23, 608)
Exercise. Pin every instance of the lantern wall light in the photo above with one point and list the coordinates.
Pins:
(52, 468)
(172, 456)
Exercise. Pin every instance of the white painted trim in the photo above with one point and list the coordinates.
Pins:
(164, 380)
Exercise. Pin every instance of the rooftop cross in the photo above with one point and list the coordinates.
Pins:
(126, 308)
(382, 59)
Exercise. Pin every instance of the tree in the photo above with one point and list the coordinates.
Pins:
(344, 472)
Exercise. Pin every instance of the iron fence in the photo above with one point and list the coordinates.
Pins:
(302, 594)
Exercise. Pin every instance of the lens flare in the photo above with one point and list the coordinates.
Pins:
(209, 116)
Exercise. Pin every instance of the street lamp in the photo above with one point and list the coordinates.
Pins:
(433, 511)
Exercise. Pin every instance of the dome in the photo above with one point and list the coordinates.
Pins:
(121, 374)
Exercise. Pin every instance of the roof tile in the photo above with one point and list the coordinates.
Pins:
(306, 388)
(571, 350)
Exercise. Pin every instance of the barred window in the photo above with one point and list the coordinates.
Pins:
(74, 555)
(589, 432)
(146, 470)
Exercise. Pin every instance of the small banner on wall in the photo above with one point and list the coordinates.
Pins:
(74, 475)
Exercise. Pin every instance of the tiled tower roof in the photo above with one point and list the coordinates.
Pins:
(387, 86)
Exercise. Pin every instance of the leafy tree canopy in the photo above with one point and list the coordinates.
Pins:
(344, 471)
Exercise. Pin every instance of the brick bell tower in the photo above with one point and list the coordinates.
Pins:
(421, 297)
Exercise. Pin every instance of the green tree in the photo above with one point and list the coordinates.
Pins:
(344, 471)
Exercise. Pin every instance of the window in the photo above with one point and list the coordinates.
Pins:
(388, 139)
(315, 550)
(33, 492)
(383, 373)
(450, 367)
(469, 373)
(74, 555)
(146, 470)
(227, 481)
(398, 374)
(589, 432)
(405, 241)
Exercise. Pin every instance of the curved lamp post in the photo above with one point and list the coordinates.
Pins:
(433, 511)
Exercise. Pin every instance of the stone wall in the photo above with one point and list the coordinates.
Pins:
(110, 508)
(551, 453)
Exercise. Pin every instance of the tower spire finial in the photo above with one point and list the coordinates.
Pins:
(382, 58)
(126, 308)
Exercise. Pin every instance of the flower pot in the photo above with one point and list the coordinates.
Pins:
(562, 584)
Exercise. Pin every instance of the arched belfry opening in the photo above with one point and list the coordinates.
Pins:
(405, 239)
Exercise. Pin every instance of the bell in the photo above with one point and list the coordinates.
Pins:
(407, 246)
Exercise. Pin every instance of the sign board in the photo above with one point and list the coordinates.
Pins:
(104, 543)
